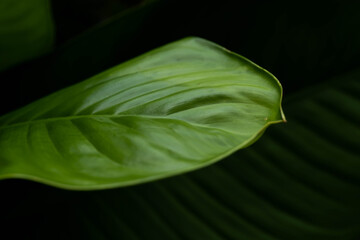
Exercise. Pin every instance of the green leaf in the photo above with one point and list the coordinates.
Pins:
(175, 109)
(26, 30)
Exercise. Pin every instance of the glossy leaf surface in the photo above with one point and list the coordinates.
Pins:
(174, 109)
(26, 30)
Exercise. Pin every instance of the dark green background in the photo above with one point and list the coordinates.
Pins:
(302, 43)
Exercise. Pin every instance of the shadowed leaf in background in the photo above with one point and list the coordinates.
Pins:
(26, 30)
(111, 41)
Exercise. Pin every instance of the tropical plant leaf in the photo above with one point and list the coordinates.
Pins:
(26, 30)
(177, 108)
(299, 181)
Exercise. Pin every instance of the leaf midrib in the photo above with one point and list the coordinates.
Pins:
(113, 116)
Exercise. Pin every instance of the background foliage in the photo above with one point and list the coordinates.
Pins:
(300, 181)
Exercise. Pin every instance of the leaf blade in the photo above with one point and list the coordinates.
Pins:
(133, 123)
